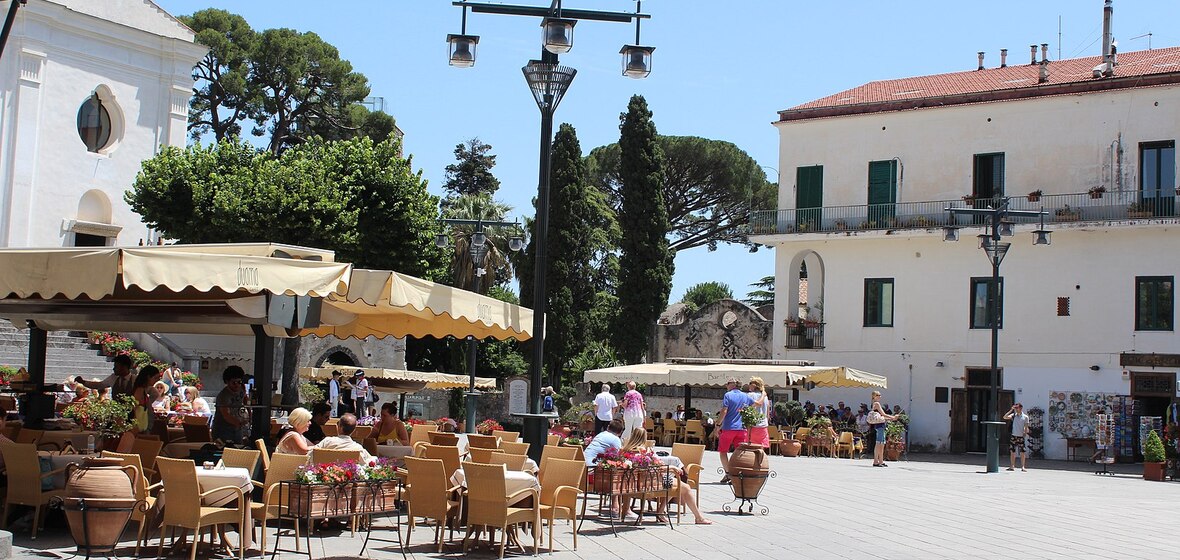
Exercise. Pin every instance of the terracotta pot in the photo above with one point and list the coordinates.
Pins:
(98, 500)
(1153, 471)
(790, 447)
(748, 466)
(893, 450)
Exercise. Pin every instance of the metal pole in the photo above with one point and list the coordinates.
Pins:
(264, 359)
(993, 430)
(472, 348)
(540, 234)
(13, 5)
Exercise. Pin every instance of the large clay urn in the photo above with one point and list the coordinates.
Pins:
(790, 447)
(99, 499)
(748, 469)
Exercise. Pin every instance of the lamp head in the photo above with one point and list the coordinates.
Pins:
(441, 241)
(558, 34)
(478, 239)
(515, 243)
(1042, 237)
(461, 50)
(950, 233)
(636, 61)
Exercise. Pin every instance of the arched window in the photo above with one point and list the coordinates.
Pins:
(94, 124)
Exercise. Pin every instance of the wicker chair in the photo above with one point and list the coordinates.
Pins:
(514, 447)
(484, 442)
(557, 452)
(429, 496)
(691, 455)
(512, 462)
(844, 444)
(776, 440)
(480, 455)
(448, 454)
(143, 491)
(184, 507)
(24, 481)
(241, 458)
(561, 483)
(671, 431)
(148, 450)
(506, 436)
(282, 468)
(334, 455)
(443, 438)
(421, 433)
(361, 432)
(196, 429)
(488, 504)
(800, 436)
(694, 431)
(552, 439)
(263, 453)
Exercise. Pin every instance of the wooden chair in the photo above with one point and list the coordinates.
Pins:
(241, 458)
(514, 447)
(148, 450)
(448, 454)
(185, 510)
(282, 468)
(649, 426)
(671, 431)
(557, 452)
(513, 462)
(275, 426)
(361, 432)
(28, 435)
(24, 481)
(844, 444)
(429, 496)
(421, 433)
(490, 506)
(694, 431)
(776, 440)
(370, 445)
(331, 429)
(443, 438)
(561, 483)
(800, 436)
(196, 429)
(506, 436)
(334, 455)
(143, 491)
(263, 453)
(485, 442)
(480, 455)
(552, 439)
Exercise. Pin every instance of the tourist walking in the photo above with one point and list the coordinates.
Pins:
(732, 431)
(1019, 435)
(360, 392)
(634, 409)
(759, 433)
(605, 406)
(335, 395)
(877, 420)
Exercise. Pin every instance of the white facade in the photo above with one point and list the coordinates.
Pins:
(138, 60)
(1058, 144)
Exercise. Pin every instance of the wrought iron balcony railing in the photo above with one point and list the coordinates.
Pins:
(805, 334)
(1094, 206)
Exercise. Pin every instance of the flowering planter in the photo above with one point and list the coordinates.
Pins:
(629, 481)
(893, 450)
(375, 496)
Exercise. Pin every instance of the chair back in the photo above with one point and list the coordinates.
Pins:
(334, 455)
(649, 424)
(556, 473)
(801, 434)
(426, 488)
(361, 432)
(506, 436)
(282, 468)
(774, 432)
(514, 447)
(421, 433)
(196, 429)
(480, 454)
(513, 462)
(694, 428)
(148, 450)
(263, 453)
(558, 452)
(242, 458)
(485, 442)
(845, 438)
(688, 453)
(24, 472)
(448, 454)
(443, 438)
(183, 489)
(370, 445)
(670, 426)
(552, 439)
(486, 490)
(331, 429)
(28, 435)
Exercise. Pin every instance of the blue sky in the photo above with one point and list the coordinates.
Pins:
(721, 70)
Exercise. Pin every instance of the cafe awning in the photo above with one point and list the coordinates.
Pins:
(655, 374)
(399, 380)
(776, 376)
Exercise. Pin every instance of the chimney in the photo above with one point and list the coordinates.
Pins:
(1043, 76)
(1033, 52)
(1003, 58)
(1107, 67)
(980, 61)
(1044, 53)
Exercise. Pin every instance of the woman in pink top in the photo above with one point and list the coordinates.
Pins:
(634, 409)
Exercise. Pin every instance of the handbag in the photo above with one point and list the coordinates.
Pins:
(876, 418)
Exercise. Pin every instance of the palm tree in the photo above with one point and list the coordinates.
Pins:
(493, 257)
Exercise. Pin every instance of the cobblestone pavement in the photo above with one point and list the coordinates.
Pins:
(935, 506)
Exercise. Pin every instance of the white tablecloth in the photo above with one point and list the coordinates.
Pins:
(514, 481)
(394, 451)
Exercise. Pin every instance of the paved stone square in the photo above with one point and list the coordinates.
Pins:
(932, 506)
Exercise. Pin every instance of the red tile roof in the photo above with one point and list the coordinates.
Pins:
(1134, 69)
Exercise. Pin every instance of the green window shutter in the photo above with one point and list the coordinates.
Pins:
(809, 197)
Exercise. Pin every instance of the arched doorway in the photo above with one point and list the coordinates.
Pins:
(338, 356)
(805, 301)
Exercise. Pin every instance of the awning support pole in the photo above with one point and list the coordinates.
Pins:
(687, 398)
(401, 407)
(38, 342)
(264, 361)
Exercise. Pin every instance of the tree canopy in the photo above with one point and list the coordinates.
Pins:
(355, 197)
(222, 97)
(762, 294)
(472, 171)
(709, 188)
(705, 293)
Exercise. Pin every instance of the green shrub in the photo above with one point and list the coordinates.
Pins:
(1153, 449)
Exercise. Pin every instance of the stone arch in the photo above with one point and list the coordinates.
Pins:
(338, 355)
(95, 206)
(809, 306)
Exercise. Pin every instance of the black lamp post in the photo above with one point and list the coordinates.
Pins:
(998, 227)
(478, 246)
(549, 82)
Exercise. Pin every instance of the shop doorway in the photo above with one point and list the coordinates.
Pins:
(1152, 392)
(969, 410)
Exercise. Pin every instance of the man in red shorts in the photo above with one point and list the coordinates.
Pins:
(732, 431)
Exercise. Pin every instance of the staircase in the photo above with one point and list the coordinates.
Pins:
(68, 354)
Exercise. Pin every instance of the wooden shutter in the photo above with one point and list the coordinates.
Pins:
(959, 414)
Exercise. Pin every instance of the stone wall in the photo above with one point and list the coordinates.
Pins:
(727, 329)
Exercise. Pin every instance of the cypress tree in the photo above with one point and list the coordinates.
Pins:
(646, 262)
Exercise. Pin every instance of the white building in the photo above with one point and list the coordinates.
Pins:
(867, 175)
(88, 90)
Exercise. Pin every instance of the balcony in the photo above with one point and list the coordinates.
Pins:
(805, 335)
(1111, 206)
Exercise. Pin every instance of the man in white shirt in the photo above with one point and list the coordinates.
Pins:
(1019, 433)
(605, 406)
(360, 392)
(344, 441)
(334, 393)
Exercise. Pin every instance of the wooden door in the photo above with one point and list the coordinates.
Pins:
(882, 192)
(809, 197)
(958, 420)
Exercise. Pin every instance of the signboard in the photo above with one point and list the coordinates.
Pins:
(1150, 360)
(518, 396)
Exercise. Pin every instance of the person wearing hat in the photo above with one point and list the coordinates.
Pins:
(360, 390)
(732, 431)
(334, 393)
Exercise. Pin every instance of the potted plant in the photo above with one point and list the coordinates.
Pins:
(1035, 195)
(840, 224)
(749, 463)
(1066, 214)
(894, 440)
(790, 413)
(1154, 458)
(969, 199)
(109, 418)
(488, 426)
(1096, 191)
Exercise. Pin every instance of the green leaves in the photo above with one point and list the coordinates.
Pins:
(699, 295)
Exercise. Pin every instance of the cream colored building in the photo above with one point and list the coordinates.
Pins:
(867, 175)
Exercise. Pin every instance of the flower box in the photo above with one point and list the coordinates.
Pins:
(631, 481)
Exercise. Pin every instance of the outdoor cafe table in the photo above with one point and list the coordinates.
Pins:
(514, 481)
(221, 477)
(182, 450)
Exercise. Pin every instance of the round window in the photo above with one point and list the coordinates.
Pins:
(94, 124)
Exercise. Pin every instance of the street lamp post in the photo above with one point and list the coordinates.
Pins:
(998, 227)
(549, 82)
(479, 250)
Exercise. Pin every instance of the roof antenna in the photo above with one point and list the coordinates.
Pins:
(1148, 35)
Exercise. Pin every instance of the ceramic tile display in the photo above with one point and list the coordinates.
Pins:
(1075, 414)
(1036, 432)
